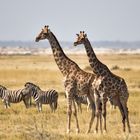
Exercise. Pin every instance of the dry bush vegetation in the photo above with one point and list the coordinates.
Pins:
(19, 123)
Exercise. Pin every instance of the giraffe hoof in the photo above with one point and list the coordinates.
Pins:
(87, 132)
(77, 131)
(95, 131)
(129, 131)
(104, 132)
(68, 131)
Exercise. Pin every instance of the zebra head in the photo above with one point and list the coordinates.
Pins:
(2, 88)
(32, 87)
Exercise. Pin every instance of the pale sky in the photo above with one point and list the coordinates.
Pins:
(101, 19)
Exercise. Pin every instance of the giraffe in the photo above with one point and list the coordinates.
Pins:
(76, 81)
(110, 85)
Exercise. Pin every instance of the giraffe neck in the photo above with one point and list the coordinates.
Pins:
(63, 62)
(97, 67)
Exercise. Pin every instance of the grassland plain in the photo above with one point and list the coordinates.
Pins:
(19, 123)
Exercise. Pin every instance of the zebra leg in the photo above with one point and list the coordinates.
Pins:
(55, 105)
(30, 101)
(75, 114)
(40, 107)
(6, 104)
(79, 107)
(52, 107)
(26, 103)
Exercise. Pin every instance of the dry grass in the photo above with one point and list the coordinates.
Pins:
(19, 123)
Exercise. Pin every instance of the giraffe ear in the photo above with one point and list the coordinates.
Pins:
(77, 35)
(46, 26)
(49, 30)
(85, 35)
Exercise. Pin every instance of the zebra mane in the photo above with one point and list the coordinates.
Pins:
(31, 84)
(2, 87)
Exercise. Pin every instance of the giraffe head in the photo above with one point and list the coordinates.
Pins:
(80, 38)
(44, 34)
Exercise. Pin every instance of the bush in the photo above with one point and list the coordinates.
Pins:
(127, 69)
(115, 67)
(88, 68)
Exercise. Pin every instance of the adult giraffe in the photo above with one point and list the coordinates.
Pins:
(76, 81)
(111, 85)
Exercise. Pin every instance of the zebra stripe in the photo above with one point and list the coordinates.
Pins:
(14, 96)
(43, 97)
(81, 99)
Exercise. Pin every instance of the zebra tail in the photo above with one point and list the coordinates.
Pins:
(55, 105)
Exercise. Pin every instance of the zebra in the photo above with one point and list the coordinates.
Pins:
(81, 99)
(43, 97)
(14, 96)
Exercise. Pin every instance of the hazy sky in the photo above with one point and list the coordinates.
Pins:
(101, 19)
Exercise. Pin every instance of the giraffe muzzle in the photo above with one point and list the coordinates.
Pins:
(37, 39)
(75, 43)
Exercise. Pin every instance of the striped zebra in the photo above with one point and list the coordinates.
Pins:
(81, 99)
(14, 96)
(43, 97)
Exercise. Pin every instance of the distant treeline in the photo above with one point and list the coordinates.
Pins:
(108, 44)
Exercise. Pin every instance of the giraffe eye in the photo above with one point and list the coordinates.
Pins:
(45, 33)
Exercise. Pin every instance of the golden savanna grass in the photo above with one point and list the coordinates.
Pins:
(19, 123)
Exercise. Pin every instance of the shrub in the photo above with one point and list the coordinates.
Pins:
(115, 67)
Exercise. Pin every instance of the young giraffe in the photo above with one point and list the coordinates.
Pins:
(76, 81)
(111, 85)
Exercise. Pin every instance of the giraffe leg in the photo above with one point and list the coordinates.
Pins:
(123, 115)
(92, 114)
(80, 108)
(103, 110)
(75, 114)
(70, 88)
(69, 111)
(88, 104)
(97, 122)
(101, 122)
(125, 108)
(98, 110)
